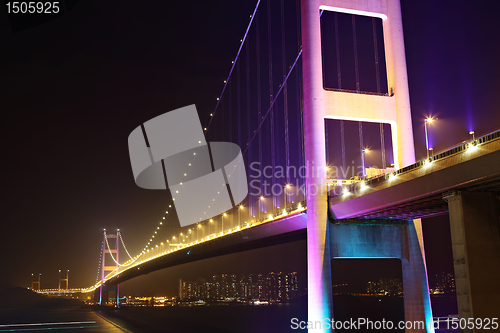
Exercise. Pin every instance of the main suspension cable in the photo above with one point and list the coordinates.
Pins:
(123, 243)
(116, 262)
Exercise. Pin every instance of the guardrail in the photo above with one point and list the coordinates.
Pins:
(454, 150)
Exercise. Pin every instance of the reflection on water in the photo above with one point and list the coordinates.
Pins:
(206, 318)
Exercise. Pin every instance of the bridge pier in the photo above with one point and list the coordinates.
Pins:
(319, 286)
(400, 241)
(319, 104)
(417, 300)
(475, 237)
(109, 292)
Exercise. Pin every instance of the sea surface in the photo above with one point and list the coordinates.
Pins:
(70, 316)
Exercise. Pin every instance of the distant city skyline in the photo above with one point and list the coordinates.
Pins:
(272, 287)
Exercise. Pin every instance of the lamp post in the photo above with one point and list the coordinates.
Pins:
(363, 152)
(222, 226)
(260, 209)
(209, 227)
(287, 186)
(239, 216)
(472, 133)
(427, 121)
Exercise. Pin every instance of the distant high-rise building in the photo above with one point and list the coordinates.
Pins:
(271, 287)
(444, 282)
(384, 286)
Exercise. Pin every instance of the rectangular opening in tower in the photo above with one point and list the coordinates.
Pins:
(353, 54)
(367, 288)
(348, 144)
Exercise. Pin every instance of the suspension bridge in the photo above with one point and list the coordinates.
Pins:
(294, 85)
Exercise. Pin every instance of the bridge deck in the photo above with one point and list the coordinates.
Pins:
(283, 230)
(416, 190)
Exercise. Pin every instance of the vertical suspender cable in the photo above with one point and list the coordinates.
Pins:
(230, 111)
(259, 106)
(342, 143)
(249, 159)
(356, 71)
(339, 86)
(355, 42)
(382, 146)
(375, 49)
(377, 72)
(300, 120)
(361, 148)
(327, 150)
(337, 51)
(239, 125)
(270, 58)
(223, 126)
(238, 101)
(285, 95)
(298, 80)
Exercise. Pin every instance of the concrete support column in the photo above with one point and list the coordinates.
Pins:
(417, 301)
(403, 241)
(397, 79)
(318, 253)
(475, 236)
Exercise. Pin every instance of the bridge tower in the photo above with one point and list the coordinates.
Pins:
(33, 282)
(64, 280)
(104, 291)
(319, 104)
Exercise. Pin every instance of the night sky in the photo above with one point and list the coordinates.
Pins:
(73, 89)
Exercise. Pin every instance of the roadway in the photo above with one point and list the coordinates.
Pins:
(417, 190)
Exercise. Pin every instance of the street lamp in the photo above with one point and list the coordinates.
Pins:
(222, 226)
(287, 186)
(260, 209)
(427, 121)
(209, 227)
(472, 133)
(239, 217)
(363, 152)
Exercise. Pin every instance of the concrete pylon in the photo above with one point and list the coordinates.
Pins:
(66, 280)
(319, 286)
(475, 238)
(33, 282)
(398, 240)
(106, 268)
(393, 109)
(320, 104)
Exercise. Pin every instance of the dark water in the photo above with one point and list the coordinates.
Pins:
(347, 308)
(69, 316)
(273, 318)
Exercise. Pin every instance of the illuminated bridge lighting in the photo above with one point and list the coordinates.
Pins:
(152, 254)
